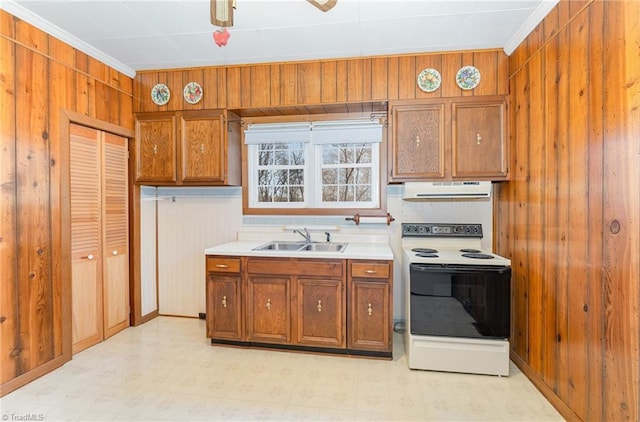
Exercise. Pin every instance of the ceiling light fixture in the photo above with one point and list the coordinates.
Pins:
(222, 12)
(323, 5)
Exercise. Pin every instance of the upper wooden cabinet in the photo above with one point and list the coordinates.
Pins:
(188, 148)
(448, 138)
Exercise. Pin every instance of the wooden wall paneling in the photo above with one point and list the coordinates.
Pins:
(550, 24)
(247, 86)
(10, 327)
(114, 78)
(33, 225)
(579, 203)
(7, 24)
(487, 63)
(288, 84)
(563, 208)
(102, 98)
(62, 52)
(535, 208)
(125, 110)
(275, 84)
(98, 70)
(309, 83)
(32, 37)
(550, 298)
(176, 88)
(407, 74)
(451, 63)
(356, 71)
(261, 86)
(234, 87)
(328, 81)
(595, 322)
(342, 83)
(91, 96)
(503, 74)
(379, 74)
(520, 157)
(210, 77)
(192, 75)
(393, 78)
(621, 232)
(159, 78)
(60, 98)
(433, 61)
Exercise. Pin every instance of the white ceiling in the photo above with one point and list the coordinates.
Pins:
(132, 35)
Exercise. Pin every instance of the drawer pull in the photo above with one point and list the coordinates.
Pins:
(319, 305)
(370, 271)
(224, 301)
(269, 304)
(369, 309)
(115, 252)
(90, 257)
(478, 138)
(202, 148)
(155, 149)
(222, 266)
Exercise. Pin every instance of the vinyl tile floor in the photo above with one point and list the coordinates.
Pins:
(166, 370)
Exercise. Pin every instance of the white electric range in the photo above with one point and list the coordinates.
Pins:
(458, 300)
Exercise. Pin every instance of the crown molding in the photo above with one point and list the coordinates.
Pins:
(26, 15)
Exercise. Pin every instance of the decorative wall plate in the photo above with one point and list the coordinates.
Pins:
(468, 77)
(429, 80)
(192, 93)
(160, 94)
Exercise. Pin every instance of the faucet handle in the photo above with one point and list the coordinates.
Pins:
(328, 236)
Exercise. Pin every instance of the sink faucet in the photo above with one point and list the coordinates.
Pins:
(306, 235)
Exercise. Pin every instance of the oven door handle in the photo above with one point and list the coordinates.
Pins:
(458, 269)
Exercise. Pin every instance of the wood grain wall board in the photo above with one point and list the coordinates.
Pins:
(595, 322)
(309, 83)
(234, 87)
(176, 87)
(393, 78)
(329, 80)
(82, 94)
(9, 212)
(60, 98)
(91, 97)
(98, 70)
(260, 83)
(275, 85)
(451, 63)
(62, 52)
(520, 153)
(31, 37)
(550, 297)
(7, 24)
(536, 208)
(342, 85)
(33, 228)
(379, 77)
(621, 205)
(355, 79)
(245, 83)
(407, 77)
(288, 84)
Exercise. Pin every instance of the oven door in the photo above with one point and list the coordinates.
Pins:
(471, 301)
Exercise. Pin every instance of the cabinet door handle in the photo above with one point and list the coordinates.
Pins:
(202, 148)
(319, 305)
(155, 149)
(478, 138)
(115, 252)
(222, 266)
(90, 257)
(417, 141)
(269, 304)
(369, 309)
(370, 271)
(224, 301)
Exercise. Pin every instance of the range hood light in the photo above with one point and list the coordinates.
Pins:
(425, 191)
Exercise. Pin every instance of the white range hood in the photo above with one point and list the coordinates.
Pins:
(457, 190)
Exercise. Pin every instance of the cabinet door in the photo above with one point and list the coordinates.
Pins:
(417, 142)
(478, 140)
(224, 307)
(269, 309)
(369, 316)
(156, 148)
(86, 256)
(115, 234)
(320, 315)
(203, 151)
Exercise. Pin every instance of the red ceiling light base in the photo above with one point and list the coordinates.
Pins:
(221, 36)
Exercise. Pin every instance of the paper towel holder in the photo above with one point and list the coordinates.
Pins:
(356, 218)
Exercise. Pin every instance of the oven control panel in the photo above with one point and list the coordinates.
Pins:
(441, 230)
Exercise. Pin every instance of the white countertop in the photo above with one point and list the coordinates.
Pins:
(358, 246)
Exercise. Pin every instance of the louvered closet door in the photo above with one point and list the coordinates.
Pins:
(86, 254)
(115, 234)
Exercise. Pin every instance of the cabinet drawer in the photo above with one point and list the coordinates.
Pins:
(223, 265)
(295, 267)
(369, 270)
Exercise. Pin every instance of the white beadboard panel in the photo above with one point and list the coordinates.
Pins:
(189, 221)
(149, 281)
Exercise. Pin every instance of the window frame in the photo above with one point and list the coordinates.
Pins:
(248, 184)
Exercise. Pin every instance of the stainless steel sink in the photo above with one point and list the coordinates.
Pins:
(301, 247)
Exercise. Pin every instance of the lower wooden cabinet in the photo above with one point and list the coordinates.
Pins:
(369, 295)
(334, 305)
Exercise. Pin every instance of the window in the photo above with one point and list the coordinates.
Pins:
(314, 165)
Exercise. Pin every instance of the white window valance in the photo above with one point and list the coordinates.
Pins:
(320, 132)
